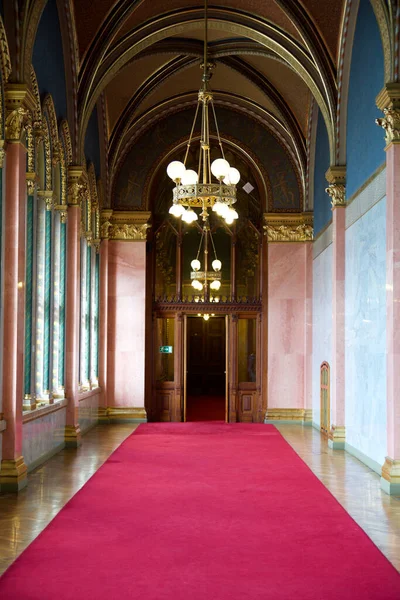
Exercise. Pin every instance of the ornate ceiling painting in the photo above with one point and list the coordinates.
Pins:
(273, 59)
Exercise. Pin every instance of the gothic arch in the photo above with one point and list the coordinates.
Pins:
(323, 88)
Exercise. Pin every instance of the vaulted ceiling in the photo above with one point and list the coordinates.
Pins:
(271, 58)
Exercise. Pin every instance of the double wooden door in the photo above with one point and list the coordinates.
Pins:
(218, 357)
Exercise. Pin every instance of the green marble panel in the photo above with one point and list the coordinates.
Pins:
(28, 295)
(63, 255)
(47, 303)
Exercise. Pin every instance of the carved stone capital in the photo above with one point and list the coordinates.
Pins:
(281, 227)
(388, 101)
(125, 225)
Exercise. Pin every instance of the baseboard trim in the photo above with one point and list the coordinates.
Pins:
(83, 431)
(125, 414)
(44, 457)
(302, 416)
(369, 462)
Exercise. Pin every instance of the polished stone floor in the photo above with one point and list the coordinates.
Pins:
(50, 487)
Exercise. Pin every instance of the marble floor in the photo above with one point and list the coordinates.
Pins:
(50, 486)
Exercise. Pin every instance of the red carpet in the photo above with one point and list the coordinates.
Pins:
(202, 511)
(205, 408)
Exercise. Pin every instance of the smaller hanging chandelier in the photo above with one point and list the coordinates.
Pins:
(202, 280)
(197, 189)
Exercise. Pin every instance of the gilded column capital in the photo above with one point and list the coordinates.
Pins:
(125, 225)
(20, 104)
(48, 198)
(63, 210)
(284, 227)
(336, 177)
(105, 223)
(75, 184)
(388, 101)
(31, 182)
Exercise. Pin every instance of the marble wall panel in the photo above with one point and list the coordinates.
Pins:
(365, 333)
(286, 324)
(322, 322)
(89, 412)
(41, 436)
(126, 324)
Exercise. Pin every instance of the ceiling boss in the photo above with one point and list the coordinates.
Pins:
(196, 189)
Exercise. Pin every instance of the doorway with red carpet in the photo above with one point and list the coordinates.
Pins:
(206, 369)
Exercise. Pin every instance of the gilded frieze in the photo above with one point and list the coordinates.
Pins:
(288, 228)
(124, 225)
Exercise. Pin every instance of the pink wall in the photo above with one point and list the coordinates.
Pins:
(287, 309)
(126, 323)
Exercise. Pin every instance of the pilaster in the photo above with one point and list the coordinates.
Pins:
(126, 232)
(75, 189)
(13, 471)
(389, 102)
(336, 177)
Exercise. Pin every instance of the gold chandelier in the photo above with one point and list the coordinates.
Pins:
(196, 189)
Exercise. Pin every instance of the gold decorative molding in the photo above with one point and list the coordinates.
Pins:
(20, 104)
(13, 475)
(391, 470)
(302, 415)
(388, 101)
(113, 414)
(72, 436)
(288, 227)
(124, 225)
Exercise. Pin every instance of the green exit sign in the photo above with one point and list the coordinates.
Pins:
(166, 349)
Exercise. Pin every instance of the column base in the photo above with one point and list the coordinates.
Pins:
(13, 475)
(72, 436)
(125, 414)
(390, 480)
(337, 437)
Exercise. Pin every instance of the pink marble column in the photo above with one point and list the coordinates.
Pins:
(126, 334)
(337, 430)
(72, 429)
(13, 469)
(308, 276)
(390, 481)
(103, 322)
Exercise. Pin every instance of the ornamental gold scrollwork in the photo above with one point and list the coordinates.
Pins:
(74, 192)
(391, 124)
(287, 233)
(128, 231)
(337, 192)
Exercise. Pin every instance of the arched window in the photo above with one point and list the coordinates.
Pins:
(325, 398)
